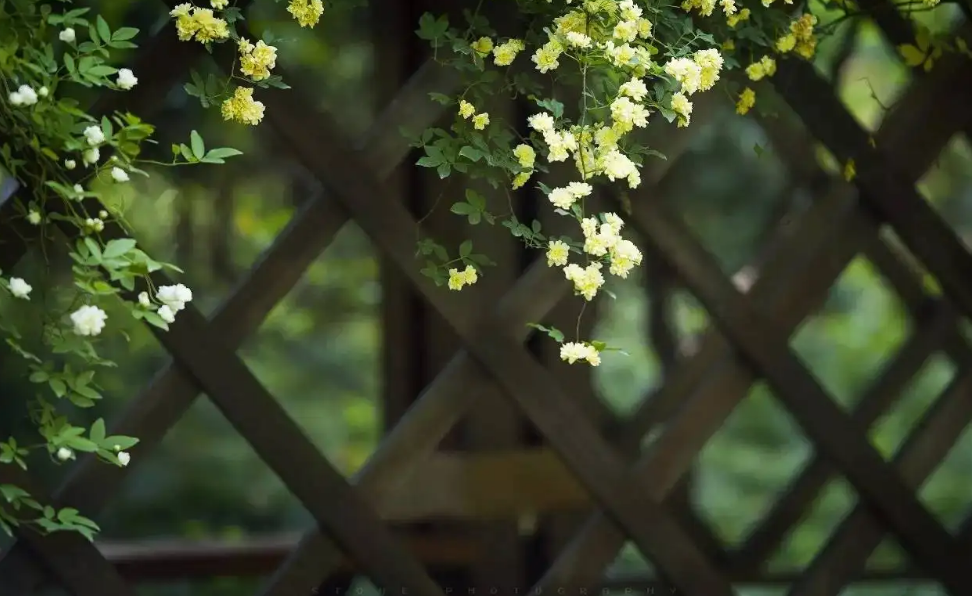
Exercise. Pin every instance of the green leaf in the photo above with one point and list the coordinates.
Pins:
(124, 34)
(475, 199)
(221, 153)
(198, 147)
(103, 29)
(462, 209)
(118, 247)
(471, 153)
(552, 332)
(97, 433)
(465, 249)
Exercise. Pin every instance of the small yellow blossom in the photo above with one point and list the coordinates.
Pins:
(482, 46)
(850, 170)
(505, 53)
(459, 279)
(683, 108)
(480, 121)
(520, 179)
(525, 155)
(572, 22)
(242, 107)
(739, 17)
(572, 352)
(198, 23)
(747, 99)
(786, 43)
(547, 57)
(766, 67)
(257, 61)
(557, 253)
(587, 280)
(219, 4)
(306, 12)
(466, 109)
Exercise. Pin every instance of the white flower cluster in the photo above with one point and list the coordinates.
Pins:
(66, 453)
(172, 299)
(90, 320)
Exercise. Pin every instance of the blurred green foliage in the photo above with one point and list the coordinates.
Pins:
(319, 351)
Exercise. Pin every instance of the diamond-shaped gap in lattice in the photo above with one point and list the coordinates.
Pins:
(202, 482)
(624, 379)
(947, 186)
(738, 198)
(858, 328)
(319, 351)
(630, 563)
(837, 497)
(745, 465)
(946, 492)
(892, 429)
(214, 221)
(872, 78)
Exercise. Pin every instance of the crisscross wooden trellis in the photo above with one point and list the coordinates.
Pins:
(696, 398)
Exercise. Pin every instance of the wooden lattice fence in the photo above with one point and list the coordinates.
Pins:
(631, 492)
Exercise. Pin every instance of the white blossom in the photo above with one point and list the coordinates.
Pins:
(126, 79)
(91, 156)
(119, 175)
(175, 297)
(68, 35)
(166, 314)
(94, 135)
(19, 288)
(88, 320)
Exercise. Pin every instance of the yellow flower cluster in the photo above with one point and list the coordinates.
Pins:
(747, 99)
(306, 12)
(197, 23)
(256, 61)
(705, 7)
(571, 352)
(800, 37)
(467, 111)
(766, 67)
(739, 17)
(527, 158)
(698, 73)
(242, 108)
(459, 279)
(505, 53)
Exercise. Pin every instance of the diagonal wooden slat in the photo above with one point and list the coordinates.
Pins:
(897, 135)
(815, 245)
(822, 420)
(885, 189)
(845, 554)
(562, 422)
(279, 441)
(530, 300)
(800, 495)
(423, 427)
(76, 563)
(311, 230)
(588, 561)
